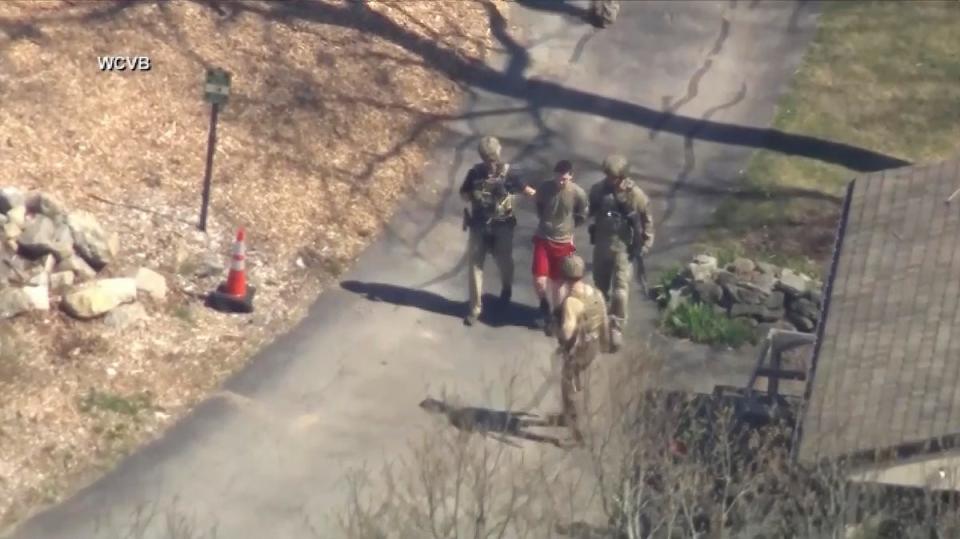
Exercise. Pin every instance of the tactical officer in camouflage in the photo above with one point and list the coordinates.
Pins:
(582, 333)
(621, 234)
(603, 13)
(489, 190)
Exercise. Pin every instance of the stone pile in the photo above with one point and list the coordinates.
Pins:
(763, 295)
(48, 253)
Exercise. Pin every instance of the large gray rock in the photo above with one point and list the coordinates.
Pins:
(25, 272)
(708, 292)
(41, 278)
(801, 322)
(19, 270)
(757, 312)
(61, 280)
(702, 268)
(17, 215)
(125, 316)
(731, 293)
(46, 205)
(750, 294)
(92, 242)
(11, 197)
(764, 281)
(815, 294)
(5, 274)
(78, 266)
(768, 269)
(38, 296)
(42, 236)
(13, 301)
(11, 231)
(805, 308)
(743, 266)
(724, 277)
(151, 282)
(16, 301)
(793, 283)
(96, 298)
(775, 300)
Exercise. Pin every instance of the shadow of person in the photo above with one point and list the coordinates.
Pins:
(498, 424)
(494, 314)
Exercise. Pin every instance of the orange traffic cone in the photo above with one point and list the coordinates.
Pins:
(234, 296)
(237, 278)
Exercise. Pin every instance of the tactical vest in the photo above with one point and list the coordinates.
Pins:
(594, 314)
(496, 203)
(612, 216)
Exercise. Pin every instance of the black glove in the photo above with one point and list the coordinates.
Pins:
(513, 186)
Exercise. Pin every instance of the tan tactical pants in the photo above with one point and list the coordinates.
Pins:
(611, 275)
(571, 380)
(499, 243)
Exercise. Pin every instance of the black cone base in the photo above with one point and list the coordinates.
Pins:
(219, 300)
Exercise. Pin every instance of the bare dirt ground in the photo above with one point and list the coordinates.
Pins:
(325, 130)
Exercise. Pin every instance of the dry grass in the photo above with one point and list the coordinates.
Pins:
(879, 75)
(324, 132)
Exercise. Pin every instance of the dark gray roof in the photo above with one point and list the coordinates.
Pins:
(887, 366)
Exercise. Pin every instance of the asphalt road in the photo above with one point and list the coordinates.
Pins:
(265, 457)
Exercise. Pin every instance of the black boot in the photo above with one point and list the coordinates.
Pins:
(505, 294)
(547, 318)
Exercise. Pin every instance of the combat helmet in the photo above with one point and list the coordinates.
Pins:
(573, 267)
(489, 148)
(616, 166)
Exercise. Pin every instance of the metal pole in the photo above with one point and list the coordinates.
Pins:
(211, 146)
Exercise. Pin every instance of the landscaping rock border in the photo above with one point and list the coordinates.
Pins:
(48, 253)
(763, 295)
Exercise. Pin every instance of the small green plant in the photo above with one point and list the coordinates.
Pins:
(665, 282)
(702, 324)
(129, 405)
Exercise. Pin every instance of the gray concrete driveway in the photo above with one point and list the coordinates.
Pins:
(343, 388)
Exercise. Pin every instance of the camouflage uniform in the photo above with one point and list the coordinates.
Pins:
(489, 190)
(604, 12)
(582, 332)
(621, 233)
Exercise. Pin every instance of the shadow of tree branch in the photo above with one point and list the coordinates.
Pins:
(547, 94)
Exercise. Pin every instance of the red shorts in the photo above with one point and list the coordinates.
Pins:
(547, 256)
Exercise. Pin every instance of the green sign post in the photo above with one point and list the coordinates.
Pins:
(216, 91)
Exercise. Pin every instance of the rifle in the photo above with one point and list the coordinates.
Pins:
(636, 250)
(641, 273)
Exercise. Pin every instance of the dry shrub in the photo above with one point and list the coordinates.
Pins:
(656, 464)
